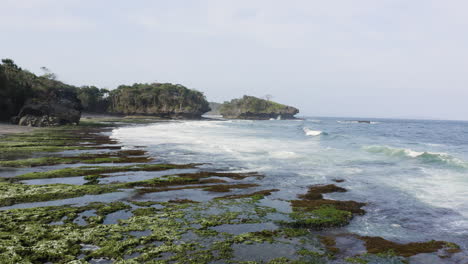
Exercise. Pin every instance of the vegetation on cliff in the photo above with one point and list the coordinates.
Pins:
(36, 100)
(15, 88)
(250, 107)
(160, 99)
(28, 99)
(93, 99)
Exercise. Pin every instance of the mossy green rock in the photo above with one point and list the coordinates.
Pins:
(250, 107)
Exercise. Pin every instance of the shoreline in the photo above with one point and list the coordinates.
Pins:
(313, 221)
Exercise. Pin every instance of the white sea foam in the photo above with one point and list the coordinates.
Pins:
(283, 154)
(423, 156)
(353, 171)
(281, 151)
(310, 132)
(218, 142)
(357, 122)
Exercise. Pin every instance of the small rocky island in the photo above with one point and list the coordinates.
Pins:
(253, 108)
(158, 99)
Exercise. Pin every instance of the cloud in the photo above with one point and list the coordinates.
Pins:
(42, 15)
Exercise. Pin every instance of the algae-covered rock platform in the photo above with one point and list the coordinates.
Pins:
(73, 195)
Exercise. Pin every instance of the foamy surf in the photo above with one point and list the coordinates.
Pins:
(313, 133)
(357, 122)
(283, 154)
(423, 156)
(292, 154)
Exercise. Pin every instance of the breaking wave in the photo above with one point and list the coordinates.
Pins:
(357, 122)
(425, 156)
(313, 133)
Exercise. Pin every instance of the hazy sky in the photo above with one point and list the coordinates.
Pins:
(367, 58)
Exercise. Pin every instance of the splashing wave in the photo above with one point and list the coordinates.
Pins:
(424, 156)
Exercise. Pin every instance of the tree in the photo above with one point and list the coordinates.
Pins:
(10, 64)
(48, 74)
(93, 99)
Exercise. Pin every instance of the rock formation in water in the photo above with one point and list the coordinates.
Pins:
(250, 107)
(158, 99)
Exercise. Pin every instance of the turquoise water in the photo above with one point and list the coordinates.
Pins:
(413, 174)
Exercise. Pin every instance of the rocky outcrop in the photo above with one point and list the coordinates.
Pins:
(59, 107)
(158, 99)
(30, 100)
(250, 107)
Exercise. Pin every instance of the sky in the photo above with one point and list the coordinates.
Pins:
(355, 58)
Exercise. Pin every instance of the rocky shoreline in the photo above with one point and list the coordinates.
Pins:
(126, 208)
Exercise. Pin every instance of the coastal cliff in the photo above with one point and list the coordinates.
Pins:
(53, 107)
(250, 107)
(158, 99)
(30, 100)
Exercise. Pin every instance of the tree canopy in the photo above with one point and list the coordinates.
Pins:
(18, 85)
(93, 99)
(163, 99)
(251, 107)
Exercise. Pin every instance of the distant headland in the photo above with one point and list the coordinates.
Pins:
(30, 100)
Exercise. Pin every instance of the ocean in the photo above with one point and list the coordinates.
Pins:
(413, 174)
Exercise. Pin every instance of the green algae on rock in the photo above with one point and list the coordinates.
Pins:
(13, 193)
(57, 139)
(90, 159)
(315, 192)
(315, 212)
(122, 156)
(349, 206)
(29, 240)
(255, 195)
(380, 245)
(92, 170)
(322, 217)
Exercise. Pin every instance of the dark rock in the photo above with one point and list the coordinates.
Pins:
(359, 121)
(60, 107)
